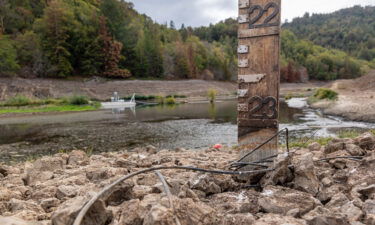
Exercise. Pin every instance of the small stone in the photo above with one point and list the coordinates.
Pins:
(78, 157)
(16, 221)
(139, 191)
(66, 213)
(280, 200)
(351, 211)
(66, 191)
(366, 141)
(3, 171)
(305, 176)
(239, 219)
(151, 149)
(369, 207)
(275, 219)
(281, 174)
(322, 216)
(293, 213)
(327, 182)
(20, 205)
(354, 150)
(49, 203)
(334, 146)
(367, 192)
(97, 174)
(43, 169)
(315, 146)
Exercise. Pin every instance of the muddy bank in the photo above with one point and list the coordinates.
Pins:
(356, 99)
(311, 186)
(101, 89)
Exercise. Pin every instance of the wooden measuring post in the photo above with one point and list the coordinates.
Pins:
(258, 76)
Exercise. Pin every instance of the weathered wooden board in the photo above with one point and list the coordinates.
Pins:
(258, 81)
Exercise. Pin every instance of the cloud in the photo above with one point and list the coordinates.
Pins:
(203, 12)
(189, 12)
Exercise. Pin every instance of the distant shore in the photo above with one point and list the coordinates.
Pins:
(101, 89)
(356, 99)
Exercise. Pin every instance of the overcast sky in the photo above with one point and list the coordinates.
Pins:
(204, 12)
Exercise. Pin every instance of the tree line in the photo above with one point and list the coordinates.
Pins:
(303, 57)
(62, 38)
(351, 30)
(109, 38)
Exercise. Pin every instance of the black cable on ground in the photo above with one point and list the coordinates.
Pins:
(87, 206)
(261, 145)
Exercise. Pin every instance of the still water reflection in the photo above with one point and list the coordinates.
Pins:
(188, 125)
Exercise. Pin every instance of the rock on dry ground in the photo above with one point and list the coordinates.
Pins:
(301, 190)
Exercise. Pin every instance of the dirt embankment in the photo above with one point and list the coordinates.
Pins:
(356, 99)
(320, 185)
(98, 88)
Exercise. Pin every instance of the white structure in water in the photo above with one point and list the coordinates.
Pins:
(116, 102)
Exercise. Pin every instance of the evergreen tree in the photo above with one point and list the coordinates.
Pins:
(8, 56)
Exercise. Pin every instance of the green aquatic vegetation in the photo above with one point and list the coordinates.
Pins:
(48, 108)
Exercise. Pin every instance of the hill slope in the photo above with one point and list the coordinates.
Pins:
(62, 38)
(351, 30)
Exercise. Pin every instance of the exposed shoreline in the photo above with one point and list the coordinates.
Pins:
(356, 99)
(102, 90)
(301, 190)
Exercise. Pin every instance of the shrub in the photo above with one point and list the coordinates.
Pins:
(18, 100)
(212, 95)
(78, 100)
(160, 100)
(142, 97)
(325, 93)
(170, 101)
(52, 101)
(176, 96)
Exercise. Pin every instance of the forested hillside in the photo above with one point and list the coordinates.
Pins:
(351, 30)
(62, 38)
(299, 58)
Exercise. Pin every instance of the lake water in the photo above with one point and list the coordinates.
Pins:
(195, 125)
